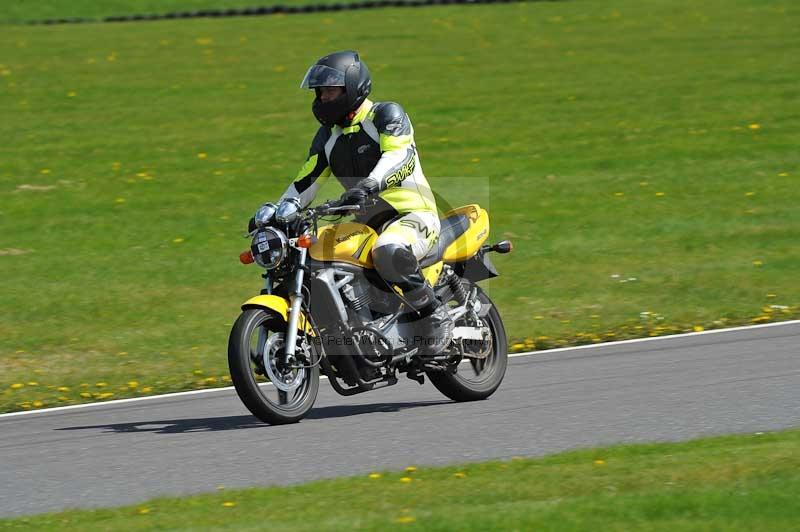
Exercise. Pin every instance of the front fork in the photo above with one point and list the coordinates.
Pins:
(295, 305)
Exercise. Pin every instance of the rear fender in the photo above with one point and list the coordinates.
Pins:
(477, 268)
(279, 306)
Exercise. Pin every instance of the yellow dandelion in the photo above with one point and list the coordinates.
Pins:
(538, 317)
(410, 469)
(101, 384)
(63, 399)
(147, 389)
(38, 404)
(105, 395)
(198, 372)
(406, 480)
(375, 476)
(749, 193)
(698, 328)
(63, 389)
(86, 395)
(71, 94)
(783, 174)
(119, 200)
(177, 240)
(17, 386)
(619, 194)
(771, 296)
(33, 383)
(143, 511)
(599, 462)
(754, 126)
(228, 504)
(459, 475)
(476, 159)
(133, 384)
(405, 519)
(758, 263)
(202, 155)
(659, 194)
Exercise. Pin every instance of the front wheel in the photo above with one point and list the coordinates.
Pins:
(274, 393)
(477, 377)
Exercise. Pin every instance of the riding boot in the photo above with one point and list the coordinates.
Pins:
(398, 265)
(434, 325)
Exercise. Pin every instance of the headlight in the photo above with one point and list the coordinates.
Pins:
(269, 247)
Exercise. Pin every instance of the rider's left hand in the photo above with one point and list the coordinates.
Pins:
(358, 194)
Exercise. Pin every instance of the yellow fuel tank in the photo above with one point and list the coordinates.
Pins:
(349, 242)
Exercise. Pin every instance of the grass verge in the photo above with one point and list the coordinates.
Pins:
(749, 482)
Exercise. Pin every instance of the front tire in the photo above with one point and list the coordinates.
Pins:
(487, 373)
(245, 362)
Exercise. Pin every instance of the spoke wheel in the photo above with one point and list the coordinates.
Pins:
(274, 392)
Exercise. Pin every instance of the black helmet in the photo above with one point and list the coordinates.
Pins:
(339, 69)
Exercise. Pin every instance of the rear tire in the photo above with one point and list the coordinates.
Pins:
(489, 372)
(286, 408)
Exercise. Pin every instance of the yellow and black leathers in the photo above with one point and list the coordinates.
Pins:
(377, 143)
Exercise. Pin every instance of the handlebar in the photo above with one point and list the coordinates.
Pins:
(336, 207)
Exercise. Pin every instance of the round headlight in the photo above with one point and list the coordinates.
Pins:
(269, 247)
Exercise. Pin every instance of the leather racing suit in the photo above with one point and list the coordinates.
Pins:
(377, 141)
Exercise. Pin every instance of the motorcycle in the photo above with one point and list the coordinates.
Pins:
(324, 309)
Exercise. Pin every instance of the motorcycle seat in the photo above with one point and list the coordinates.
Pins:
(452, 227)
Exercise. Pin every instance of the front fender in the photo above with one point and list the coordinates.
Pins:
(279, 306)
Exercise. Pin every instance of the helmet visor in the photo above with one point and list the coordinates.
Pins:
(322, 76)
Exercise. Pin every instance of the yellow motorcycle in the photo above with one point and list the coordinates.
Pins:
(325, 309)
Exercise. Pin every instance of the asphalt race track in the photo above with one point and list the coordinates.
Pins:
(666, 389)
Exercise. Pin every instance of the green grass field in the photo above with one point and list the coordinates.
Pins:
(22, 11)
(642, 156)
(727, 483)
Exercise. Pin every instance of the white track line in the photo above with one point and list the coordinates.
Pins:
(526, 353)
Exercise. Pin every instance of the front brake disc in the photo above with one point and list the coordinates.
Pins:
(285, 381)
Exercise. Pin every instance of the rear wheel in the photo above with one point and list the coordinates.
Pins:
(477, 377)
(273, 392)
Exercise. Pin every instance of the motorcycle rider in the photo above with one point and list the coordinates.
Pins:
(369, 147)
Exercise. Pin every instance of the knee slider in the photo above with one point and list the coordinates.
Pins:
(395, 263)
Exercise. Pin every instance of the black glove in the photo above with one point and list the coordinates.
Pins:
(358, 194)
(354, 196)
